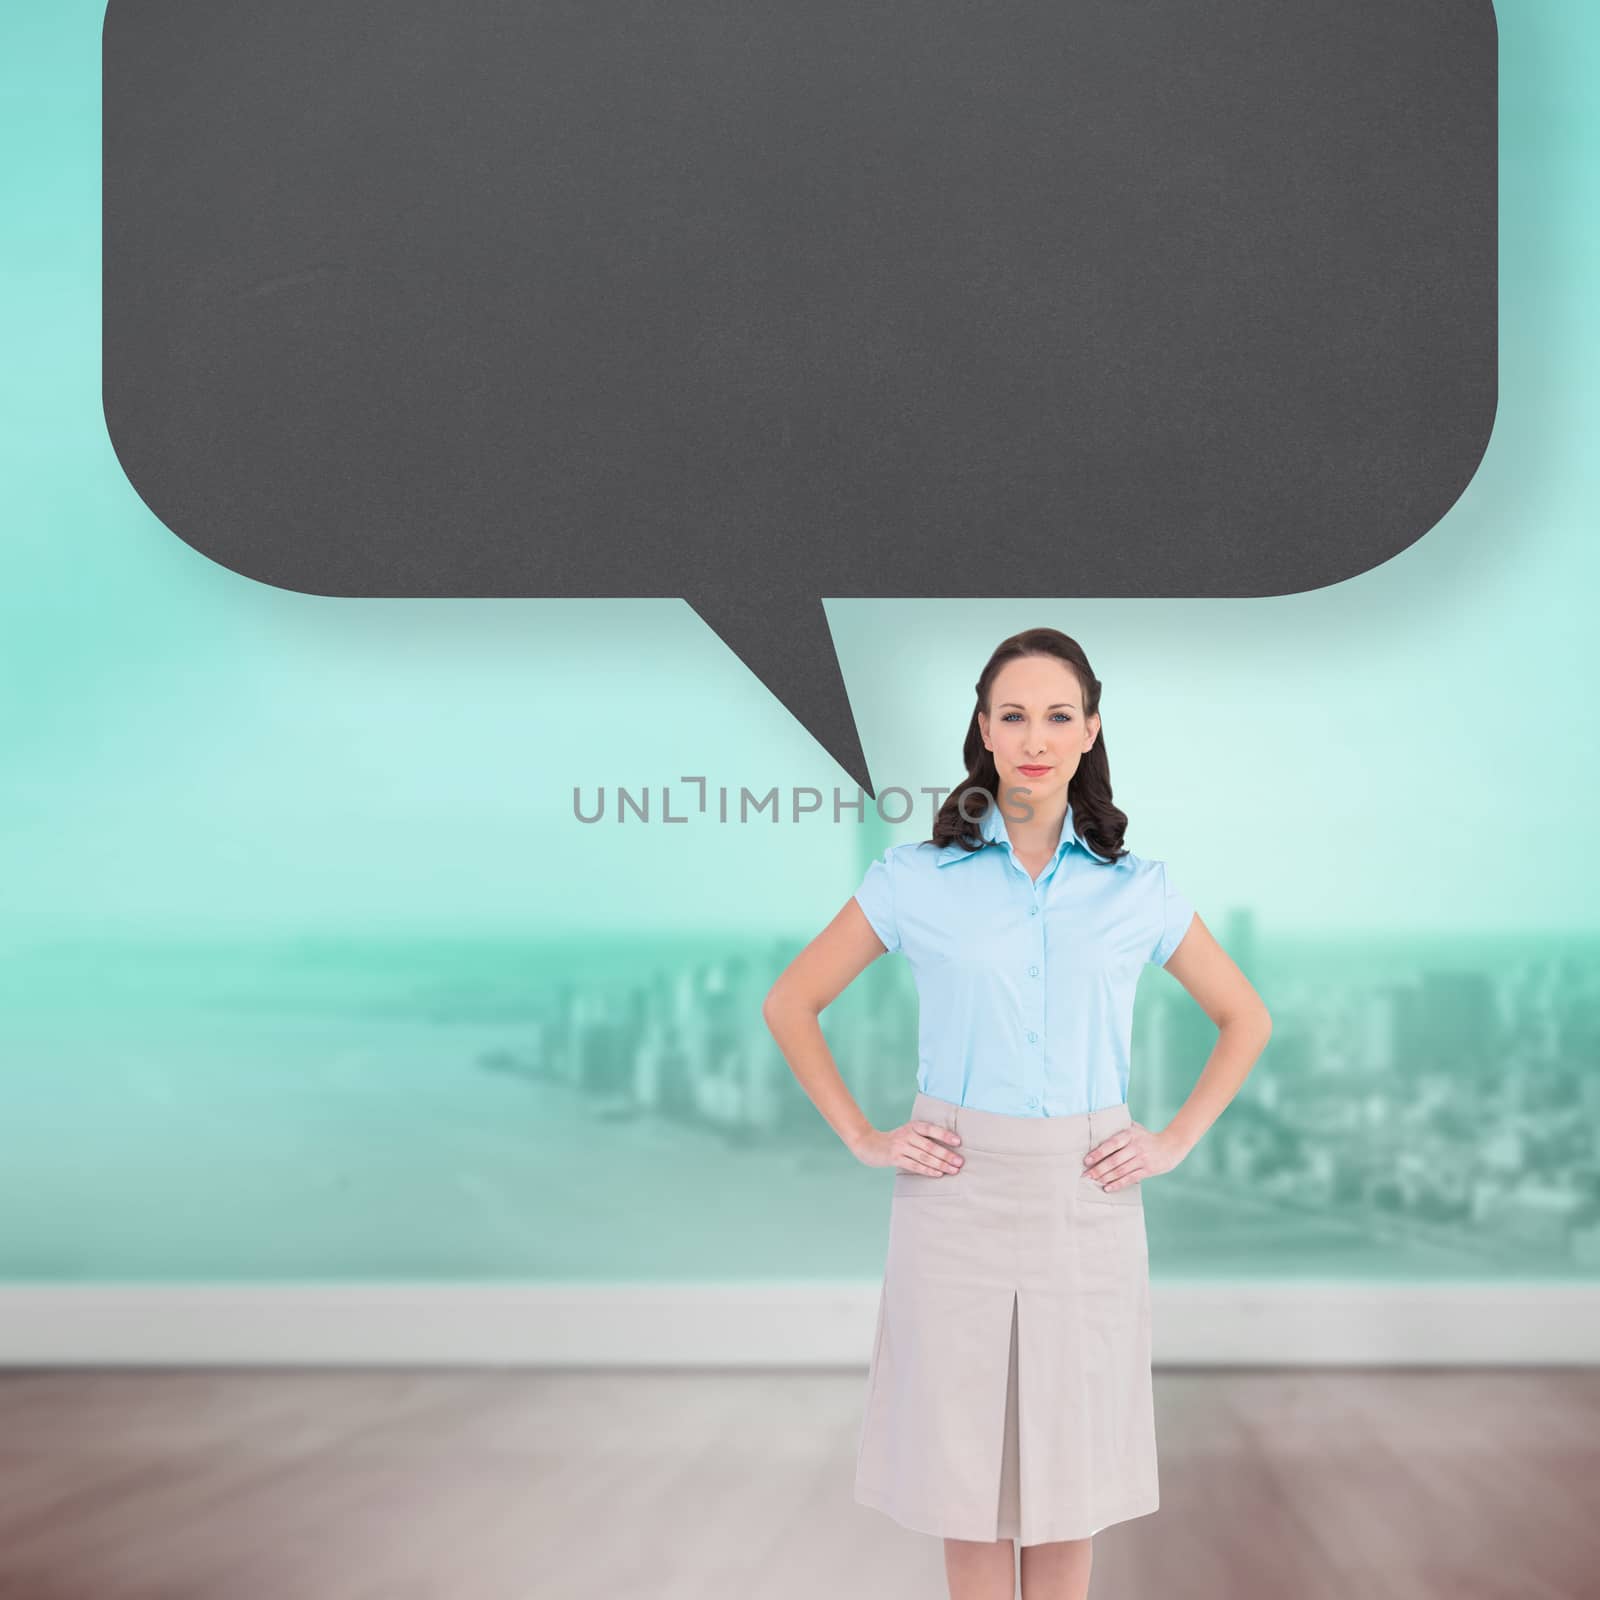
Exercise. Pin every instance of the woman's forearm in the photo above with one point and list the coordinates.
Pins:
(798, 1032)
(1240, 1041)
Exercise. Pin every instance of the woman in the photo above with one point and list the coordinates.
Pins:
(1009, 1395)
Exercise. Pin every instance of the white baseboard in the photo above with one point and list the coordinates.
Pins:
(1202, 1323)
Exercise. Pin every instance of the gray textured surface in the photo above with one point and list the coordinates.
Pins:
(758, 304)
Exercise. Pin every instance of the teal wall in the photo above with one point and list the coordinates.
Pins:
(307, 969)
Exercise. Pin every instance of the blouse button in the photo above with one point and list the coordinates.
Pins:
(1033, 972)
(1033, 911)
(1033, 1038)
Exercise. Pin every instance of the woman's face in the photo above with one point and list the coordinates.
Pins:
(1036, 719)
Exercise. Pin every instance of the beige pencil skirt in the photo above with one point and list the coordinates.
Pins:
(1009, 1394)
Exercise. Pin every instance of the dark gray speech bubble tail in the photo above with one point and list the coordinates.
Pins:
(788, 645)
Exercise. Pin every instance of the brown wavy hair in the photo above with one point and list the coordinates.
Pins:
(1089, 791)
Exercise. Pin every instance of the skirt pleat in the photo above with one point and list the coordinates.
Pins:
(1009, 1391)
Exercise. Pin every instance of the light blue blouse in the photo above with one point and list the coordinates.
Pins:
(1025, 988)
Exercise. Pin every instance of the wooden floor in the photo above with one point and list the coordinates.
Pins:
(504, 1485)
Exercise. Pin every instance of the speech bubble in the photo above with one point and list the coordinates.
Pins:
(760, 303)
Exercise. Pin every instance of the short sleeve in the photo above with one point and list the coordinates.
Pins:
(1176, 914)
(876, 899)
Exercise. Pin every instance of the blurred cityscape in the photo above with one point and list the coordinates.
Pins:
(612, 1106)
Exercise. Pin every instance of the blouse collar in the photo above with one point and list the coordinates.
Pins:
(992, 827)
